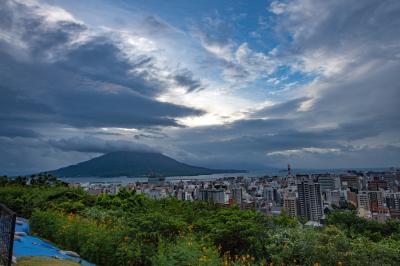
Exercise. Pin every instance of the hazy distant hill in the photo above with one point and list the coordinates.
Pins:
(128, 163)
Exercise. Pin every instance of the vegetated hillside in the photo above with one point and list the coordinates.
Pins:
(135, 163)
(132, 229)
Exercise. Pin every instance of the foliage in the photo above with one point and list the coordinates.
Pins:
(235, 231)
(131, 229)
(353, 226)
(24, 199)
(187, 251)
(99, 242)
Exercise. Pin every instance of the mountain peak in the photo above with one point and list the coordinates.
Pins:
(135, 164)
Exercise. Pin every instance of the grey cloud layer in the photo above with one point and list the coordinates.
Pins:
(87, 84)
(55, 73)
(348, 116)
(96, 145)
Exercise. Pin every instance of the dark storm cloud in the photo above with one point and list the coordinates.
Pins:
(47, 94)
(372, 97)
(97, 145)
(264, 136)
(56, 73)
(30, 155)
(42, 40)
(89, 84)
(253, 143)
(100, 59)
(12, 132)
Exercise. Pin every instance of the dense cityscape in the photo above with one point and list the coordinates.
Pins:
(374, 194)
(349, 218)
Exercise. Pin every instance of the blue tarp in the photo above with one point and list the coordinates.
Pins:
(33, 246)
(24, 227)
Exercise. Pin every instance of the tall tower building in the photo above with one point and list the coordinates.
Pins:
(362, 200)
(310, 200)
(237, 195)
(268, 194)
(290, 204)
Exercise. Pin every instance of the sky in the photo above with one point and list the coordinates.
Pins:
(222, 84)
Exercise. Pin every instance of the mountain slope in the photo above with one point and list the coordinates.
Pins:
(128, 163)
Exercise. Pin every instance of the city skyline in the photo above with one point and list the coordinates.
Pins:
(219, 84)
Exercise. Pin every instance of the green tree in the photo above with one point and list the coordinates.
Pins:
(186, 251)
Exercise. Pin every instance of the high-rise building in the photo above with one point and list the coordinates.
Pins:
(393, 201)
(362, 200)
(237, 195)
(268, 194)
(310, 200)
(327, 181)
(290, 205)
(375, 198)
(214, 195)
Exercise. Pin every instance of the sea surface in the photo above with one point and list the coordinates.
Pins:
(124, 180)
